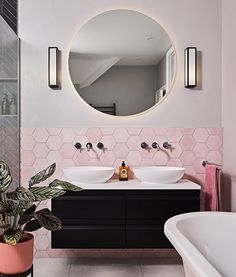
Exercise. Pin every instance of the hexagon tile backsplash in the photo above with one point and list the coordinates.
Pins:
(43, 146)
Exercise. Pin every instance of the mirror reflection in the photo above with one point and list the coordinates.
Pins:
(122, 62)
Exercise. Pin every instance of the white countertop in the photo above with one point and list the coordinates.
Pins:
(137, 185)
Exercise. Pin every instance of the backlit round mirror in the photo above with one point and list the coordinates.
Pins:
(122, 62)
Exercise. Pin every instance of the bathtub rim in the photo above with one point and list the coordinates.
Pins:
(199, 265)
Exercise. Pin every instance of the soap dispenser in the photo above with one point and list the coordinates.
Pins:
(123, 172)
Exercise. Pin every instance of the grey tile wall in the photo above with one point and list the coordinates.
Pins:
(9, 124)
(8, 51)
(8, 10)
(9, 145)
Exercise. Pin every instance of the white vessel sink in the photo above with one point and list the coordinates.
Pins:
(88, 174)
(159, 174)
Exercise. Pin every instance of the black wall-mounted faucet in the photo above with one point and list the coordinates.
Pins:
(167, 145)
(78, 145)
(100, 145)
(89, 146)
(155, 145)
(144, 145)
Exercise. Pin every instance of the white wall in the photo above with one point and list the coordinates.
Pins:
(229, 92)
(121, 84)
(44, 23)
(84, 71)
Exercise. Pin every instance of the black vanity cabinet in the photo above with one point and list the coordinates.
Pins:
(119, 218)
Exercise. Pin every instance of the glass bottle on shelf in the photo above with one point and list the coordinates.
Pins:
(12, 106)
(5, 105)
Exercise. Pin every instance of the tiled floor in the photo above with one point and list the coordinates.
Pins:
(108, 268)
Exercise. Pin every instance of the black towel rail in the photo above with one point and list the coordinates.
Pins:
(204, 163)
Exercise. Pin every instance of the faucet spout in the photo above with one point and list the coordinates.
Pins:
(167, 145)
(89, 146)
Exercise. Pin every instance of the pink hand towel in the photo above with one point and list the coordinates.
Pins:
(212, 189)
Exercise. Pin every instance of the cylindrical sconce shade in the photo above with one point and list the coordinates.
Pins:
(53, 56)
(190, 67)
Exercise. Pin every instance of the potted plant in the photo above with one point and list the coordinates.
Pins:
(19, 216)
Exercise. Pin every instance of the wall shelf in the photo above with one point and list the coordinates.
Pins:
(9, 88)
(8, 79)
(6, 115)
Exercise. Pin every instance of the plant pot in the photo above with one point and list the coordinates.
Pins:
(18, 258)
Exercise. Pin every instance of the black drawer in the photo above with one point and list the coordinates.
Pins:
(119, 218)
(156, 210)
(89, 237)
(81, 209)
(146, 236)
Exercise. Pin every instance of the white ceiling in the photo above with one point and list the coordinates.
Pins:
(132, 36)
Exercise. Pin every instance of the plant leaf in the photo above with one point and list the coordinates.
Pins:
(42, 175)
(12, 237)
(21, 194)
(32, 226)
(5, 176)
(64, 185)
(2, 216)
(23, 205)
(48, 220)
(27, 215)
(44, 193)
(5, 226)
(2, 206)
(9, 207)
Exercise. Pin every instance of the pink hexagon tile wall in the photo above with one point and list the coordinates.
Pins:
(67, 134)
(54, 142)
(190, 147)
(147, 134)
(121, 150)
(27, 142)
(187, 142)
(41, 146)
(40, 134)
(94, 134)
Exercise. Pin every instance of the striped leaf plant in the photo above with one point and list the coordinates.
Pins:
(19, 208)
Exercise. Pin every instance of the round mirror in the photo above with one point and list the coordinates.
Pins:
(122, 62)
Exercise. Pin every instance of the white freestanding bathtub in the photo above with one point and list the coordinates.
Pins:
(206, 242)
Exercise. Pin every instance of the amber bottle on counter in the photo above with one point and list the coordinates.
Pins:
(123, 172)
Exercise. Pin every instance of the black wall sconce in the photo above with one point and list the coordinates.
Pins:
(53, 67)
(190, 67)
